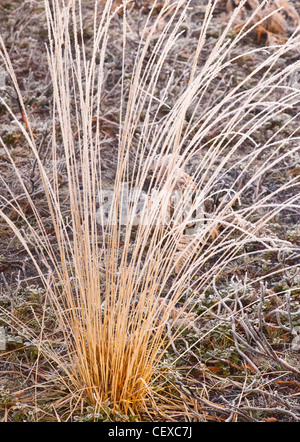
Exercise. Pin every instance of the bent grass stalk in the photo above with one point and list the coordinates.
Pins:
(116, 288)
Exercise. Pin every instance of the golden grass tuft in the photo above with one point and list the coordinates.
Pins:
(116, 288)
(272, 22)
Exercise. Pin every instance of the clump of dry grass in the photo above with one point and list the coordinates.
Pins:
(116, 286)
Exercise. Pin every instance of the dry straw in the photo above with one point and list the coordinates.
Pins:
(116, 288)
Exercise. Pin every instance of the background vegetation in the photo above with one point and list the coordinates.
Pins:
(149, 320)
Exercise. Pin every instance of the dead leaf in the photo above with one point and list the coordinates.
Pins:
(275, 25)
